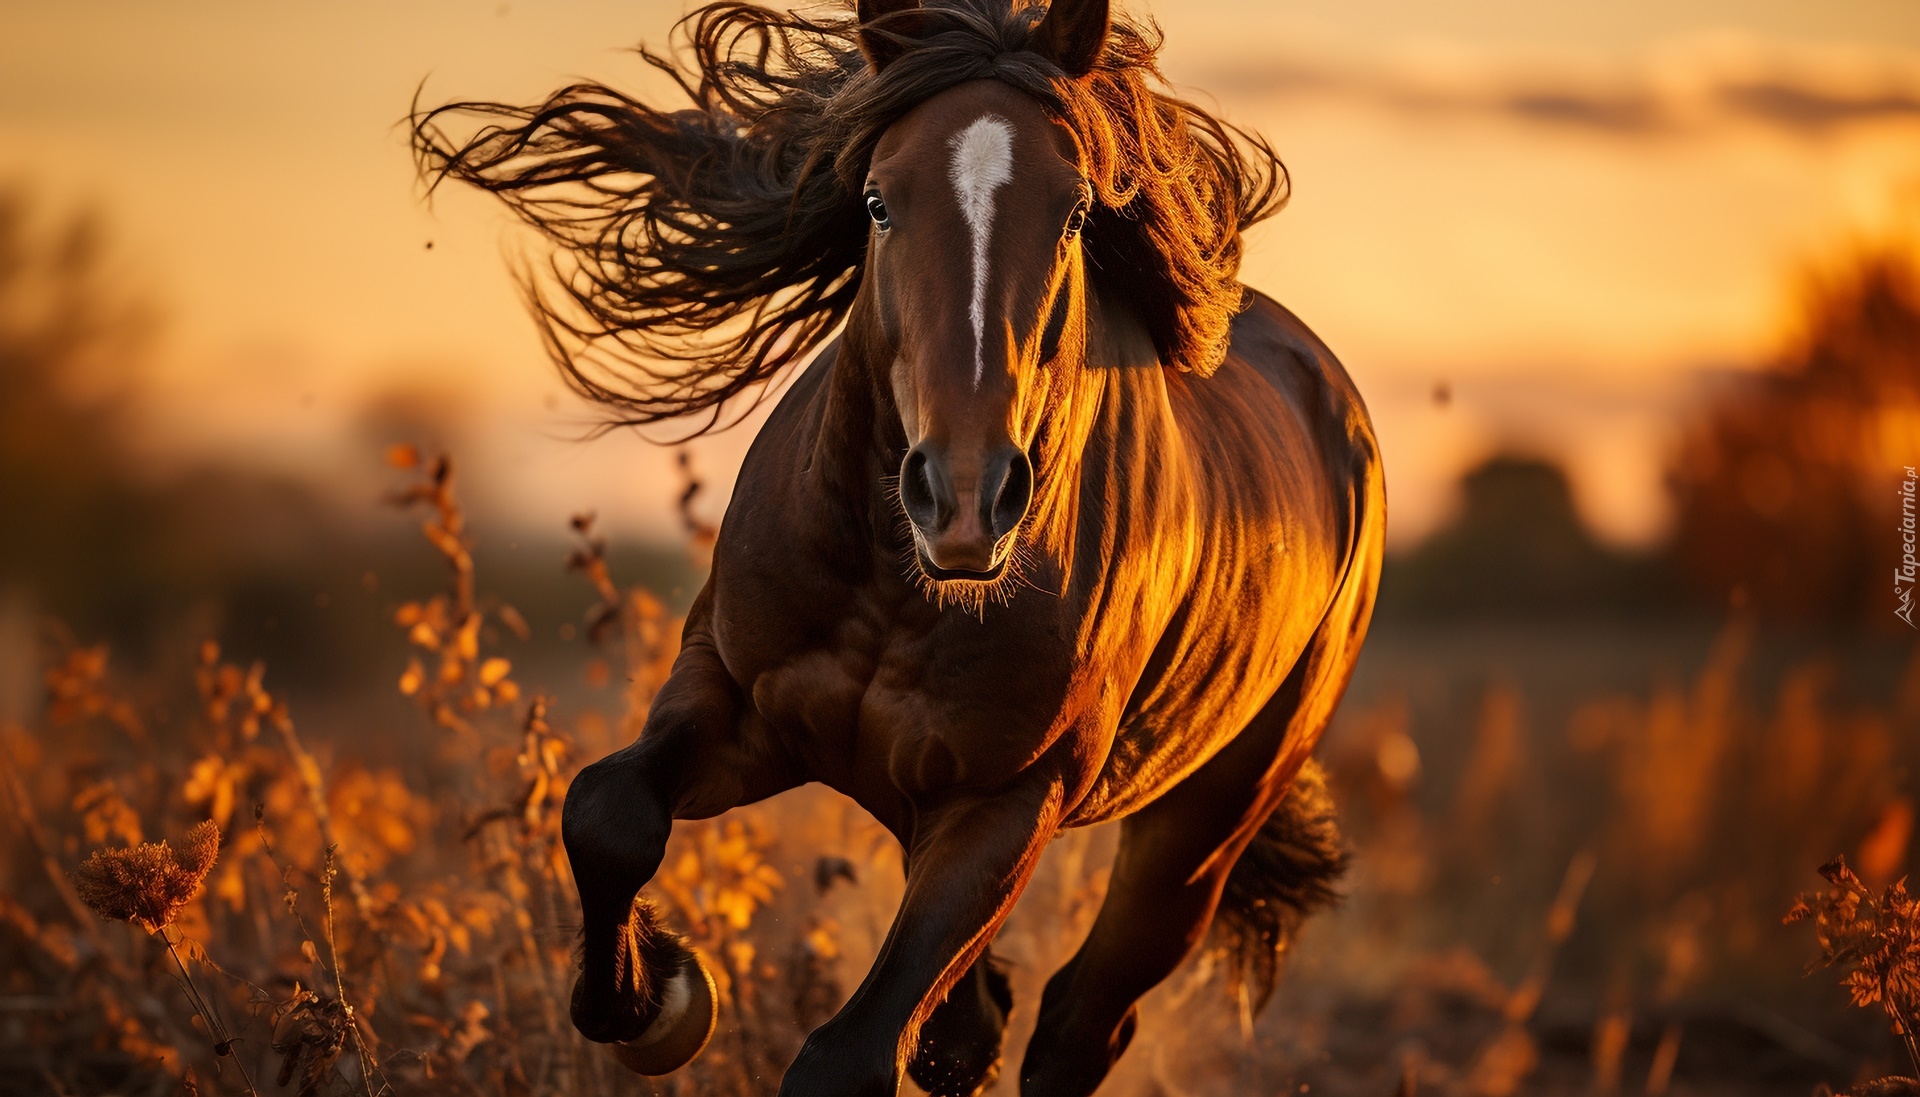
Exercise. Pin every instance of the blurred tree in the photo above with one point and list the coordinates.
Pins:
(97, 533)
(1785, 485)
(120, 541)
(73, 513)
(1517, 548)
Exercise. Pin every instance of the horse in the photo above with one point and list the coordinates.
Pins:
(1058, 524)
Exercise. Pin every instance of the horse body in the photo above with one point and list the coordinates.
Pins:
(1224, 536)
(1033, 544)
(1206, 516)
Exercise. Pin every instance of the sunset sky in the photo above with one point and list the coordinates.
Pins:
(1575, 216)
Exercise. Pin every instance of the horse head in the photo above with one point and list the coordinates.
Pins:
(975, 285)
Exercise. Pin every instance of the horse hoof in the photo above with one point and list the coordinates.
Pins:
(686, 1022)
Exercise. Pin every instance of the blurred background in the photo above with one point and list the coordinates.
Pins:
(1630, 291)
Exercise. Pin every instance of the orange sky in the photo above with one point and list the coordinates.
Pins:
(1565, 212)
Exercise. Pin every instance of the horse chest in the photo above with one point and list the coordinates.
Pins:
(885, 696)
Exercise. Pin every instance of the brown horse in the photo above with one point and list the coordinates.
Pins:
(1065, 526)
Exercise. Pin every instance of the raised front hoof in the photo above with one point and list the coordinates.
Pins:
(689, 1012)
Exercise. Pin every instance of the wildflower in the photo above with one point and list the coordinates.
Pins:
(1876, 939)
(149, 883)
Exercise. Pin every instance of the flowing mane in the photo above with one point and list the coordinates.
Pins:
(702, 250)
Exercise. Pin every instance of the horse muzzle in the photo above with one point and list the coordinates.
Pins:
(964, 513)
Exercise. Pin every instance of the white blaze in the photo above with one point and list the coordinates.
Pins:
(982, 164)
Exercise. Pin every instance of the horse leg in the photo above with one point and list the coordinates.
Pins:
(701, 752)
(1174, 859)
(969, 861)
(959, 1051)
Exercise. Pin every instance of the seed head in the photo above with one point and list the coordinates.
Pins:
(149, 883)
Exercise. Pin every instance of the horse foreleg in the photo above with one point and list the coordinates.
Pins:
(701, 752)
(969, 861)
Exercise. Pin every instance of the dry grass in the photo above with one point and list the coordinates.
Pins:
(330, 926)
(358, 933)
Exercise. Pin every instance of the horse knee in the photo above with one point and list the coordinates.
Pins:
(615, 829)
(959, 1049)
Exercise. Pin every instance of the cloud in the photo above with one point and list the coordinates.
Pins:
(1622, 113)
(1803, 107)
(1677, 91)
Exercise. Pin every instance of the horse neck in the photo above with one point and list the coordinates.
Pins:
(854, 460)
(1114, 390)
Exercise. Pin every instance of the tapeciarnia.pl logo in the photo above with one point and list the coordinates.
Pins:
(1903, 576)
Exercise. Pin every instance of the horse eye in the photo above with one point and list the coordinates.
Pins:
(877, 209)
(1077, 221)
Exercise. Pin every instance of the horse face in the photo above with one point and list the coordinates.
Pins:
(974, 270)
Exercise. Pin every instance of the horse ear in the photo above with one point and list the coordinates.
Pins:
(883, 43)
(1072, 33)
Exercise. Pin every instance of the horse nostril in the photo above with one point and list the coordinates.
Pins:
(916, 491)
(1016, 492)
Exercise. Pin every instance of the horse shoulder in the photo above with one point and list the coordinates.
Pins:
(763, 580)
(796, 617)
(770, 525)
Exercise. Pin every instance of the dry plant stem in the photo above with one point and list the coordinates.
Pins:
(1524, 1001)
(209, 1016)
(1665, 1055)
(316, 788)
(553, 984)
(83, 919)
(266, 846)
(515, 886)
(453, 526)
(446, 531)
(1560, 918)
(1907, 1037)
(369, 1066)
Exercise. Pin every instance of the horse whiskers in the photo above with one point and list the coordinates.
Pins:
(971, 595)
(1024, 559)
